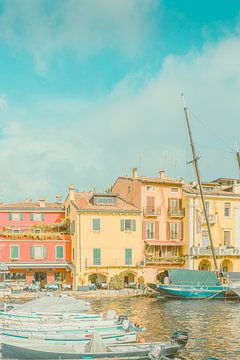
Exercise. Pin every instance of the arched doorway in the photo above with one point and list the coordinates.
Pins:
(226, 266)
(129, 279)
(204, 265)
(161, 276)
(100, 280)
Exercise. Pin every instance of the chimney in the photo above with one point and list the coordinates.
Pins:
(162, 174)
(134, 173)
(71, 192)
(58, 198)
(42, 202)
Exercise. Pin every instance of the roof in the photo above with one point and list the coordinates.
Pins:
(29, 205)
(83, 202)
(219, 191)
(156, 180)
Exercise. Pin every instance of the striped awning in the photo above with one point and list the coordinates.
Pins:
(164, 243)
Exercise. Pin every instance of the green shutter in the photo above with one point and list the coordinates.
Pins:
(44, 252)
(10, 216)
(96, 224)
(133, 225)
(21, 216)
(32, 252)
(128, 256)
(31, 216)
(96, 256)
(42, 216)
(14, 252)
(122, 224)
(59, 252)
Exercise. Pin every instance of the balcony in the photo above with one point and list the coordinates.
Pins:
(170, 260)
(151, 211)
(212, 219)
(33, 236)
(219, 251)
(111, 263)
(176, 213)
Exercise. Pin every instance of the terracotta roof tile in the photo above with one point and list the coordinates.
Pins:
(31, 205)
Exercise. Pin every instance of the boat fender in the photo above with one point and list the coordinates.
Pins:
(126, 324)
(155, 353)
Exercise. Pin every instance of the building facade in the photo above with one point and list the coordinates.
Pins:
(34, 243)
(106, 238)
(163, 236)
(222, 199)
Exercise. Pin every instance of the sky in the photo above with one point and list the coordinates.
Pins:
(91, 88)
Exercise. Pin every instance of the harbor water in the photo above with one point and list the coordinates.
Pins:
(213, 325)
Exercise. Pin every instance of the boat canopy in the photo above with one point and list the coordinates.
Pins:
(193, 277)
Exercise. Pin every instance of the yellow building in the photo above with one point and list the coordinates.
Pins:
(222, 198)
(106, 238)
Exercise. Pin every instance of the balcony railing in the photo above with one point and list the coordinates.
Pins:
(164, 260)
(104, 263)
(212, 219)
(176, 213)
(34, 236)
(151, 211)
(219, 251)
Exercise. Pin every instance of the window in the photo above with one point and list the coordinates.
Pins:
(17, 231)
(150, 188)
(150, 230)
(38, 252)
(37, 231)
(15, 276)
(105, 200)
(14, 252)
(174, 203)
(128, 225)
(205, 239)
(128, 256)
(175, 230)
(96, 224)
(96, 256)
(208, 188)
(37, 217)
(68, 210)
(59, 251)
(15, 216)
(129, 189)
(59, 276)
(207, 206)
(174, 190)
(227, 209)
(226, 237)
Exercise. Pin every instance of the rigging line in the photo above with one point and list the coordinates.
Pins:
(213, 148)
(207, 127)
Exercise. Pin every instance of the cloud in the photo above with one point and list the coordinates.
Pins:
(45, 28)
(56, 141)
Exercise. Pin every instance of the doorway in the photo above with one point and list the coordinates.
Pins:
(41, 277)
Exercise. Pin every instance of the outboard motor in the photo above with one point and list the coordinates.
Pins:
(180, 337)
(121, 318)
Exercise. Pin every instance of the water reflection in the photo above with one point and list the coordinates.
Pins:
(213, 325)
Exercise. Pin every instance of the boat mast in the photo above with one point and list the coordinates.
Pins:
(195, 163)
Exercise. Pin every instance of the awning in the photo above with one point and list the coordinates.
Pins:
(163, 243)
(3, 267)
(193, 277)
(40, 266)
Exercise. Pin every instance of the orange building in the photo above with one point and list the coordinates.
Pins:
(160, 200)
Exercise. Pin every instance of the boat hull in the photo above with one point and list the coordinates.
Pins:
(196, 292)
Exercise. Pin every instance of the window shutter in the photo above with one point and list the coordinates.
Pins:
(21, 216)
(180, 230)
(32, 252)
(180, 203)
(14, 252)
(97, 256)
(10, 216)
(157, 230)
(59, 252)
(144, 230)
(134, 225)
(31, 216)
(168, 231)
(44, 252)
(42, 216)
(96, 224)
(122, 224)
(128, 256)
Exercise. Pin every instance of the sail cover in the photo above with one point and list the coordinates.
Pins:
(193, 277)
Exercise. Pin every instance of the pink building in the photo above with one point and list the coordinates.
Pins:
(160, 200)
(34, 243)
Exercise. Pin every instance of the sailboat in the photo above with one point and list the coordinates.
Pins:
(196, 284)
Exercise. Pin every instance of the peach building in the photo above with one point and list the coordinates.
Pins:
(106, 238)
(160, 200)
(222, 198)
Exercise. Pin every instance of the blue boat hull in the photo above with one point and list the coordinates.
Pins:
(196, 292)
